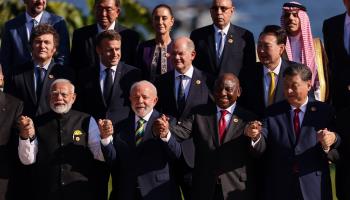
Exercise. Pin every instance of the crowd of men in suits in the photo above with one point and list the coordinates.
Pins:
(216, 126)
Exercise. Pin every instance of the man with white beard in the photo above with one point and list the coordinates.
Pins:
(61, 147)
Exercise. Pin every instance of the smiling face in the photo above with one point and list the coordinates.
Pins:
(291, 22)
(269, 52)
(226, 90)
(62, 97)
(109, 52)
(295, 89)
(162, 21)
(143, 98)
(43, 48)
(106, 13)
(35, 7)
(221, 12)
(182, 55)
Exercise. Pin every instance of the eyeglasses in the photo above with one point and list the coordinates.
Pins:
(222, 8)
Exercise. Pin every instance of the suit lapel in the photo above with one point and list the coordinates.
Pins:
(288, 121)
(117, 76)
(229, 45)
(279, 87)
(260, 86)
(193, 92)
(212, 50)
(233, 126)
(45, 18)
(28, 77)
(48, 79)
(148, 131)
(22, 31)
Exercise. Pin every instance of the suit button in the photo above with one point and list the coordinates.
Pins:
(179, 123)
(63, 183)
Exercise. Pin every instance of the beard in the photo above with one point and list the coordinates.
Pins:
(61, 109)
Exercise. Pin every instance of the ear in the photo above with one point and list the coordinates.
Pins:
(74, 97)
(282, 48)
(308, 85)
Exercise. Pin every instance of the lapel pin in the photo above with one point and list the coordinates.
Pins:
(235, 120)
(198, 82)
(77, 139)
(230, 39)
(50, 76)
(313, 108)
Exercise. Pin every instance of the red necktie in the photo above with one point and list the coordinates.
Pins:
(296, 123)
(222, 125)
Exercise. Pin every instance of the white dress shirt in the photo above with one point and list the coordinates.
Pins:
(27, 150)
(100, 30)
(103, 74)
(301, 113)
(217, 38)
(185, 81)
(267, 80)
(29, 24)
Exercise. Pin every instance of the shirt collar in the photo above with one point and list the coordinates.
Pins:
(188, 74)
(225, 30)
(37, 18)
(347, 19)
(103, 67)
(100, 29)
(45, 66)
(302, 107)
(276, 70)
(137, 118)
(230, 109)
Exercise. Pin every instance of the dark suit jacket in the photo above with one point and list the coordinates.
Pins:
(10, 109)
(252, 83)
(238, 53)
(229, 163)
(339, 61)
(145, 169)
(83, 54)
(282, 153)
(21, 85)
(144, 58)
(343, 165)
(197, 95)
(15, 49)
(90, 97)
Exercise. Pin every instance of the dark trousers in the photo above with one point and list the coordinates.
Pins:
(218, 195)
(184, 177)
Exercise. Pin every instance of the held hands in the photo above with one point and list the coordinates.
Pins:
(26, 127)
(106, 128)
(253, 130)
(326, 138)
(161, 127)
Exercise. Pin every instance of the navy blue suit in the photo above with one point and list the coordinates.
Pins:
(15, 48)
(145, 169)
(296, 166)
(238, 53)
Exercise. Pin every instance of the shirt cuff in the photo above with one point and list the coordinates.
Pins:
(167, 137)
(254, 143)
(107, 140)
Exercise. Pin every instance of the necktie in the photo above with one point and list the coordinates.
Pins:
(108, 84)
(33, 24)
(181, 101)
(140, 131)
(41, 72)
(271, 88)
(296, 122)
(222, 125)
(221, 44)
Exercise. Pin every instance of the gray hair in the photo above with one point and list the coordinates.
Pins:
(62, 80)
(144, 82)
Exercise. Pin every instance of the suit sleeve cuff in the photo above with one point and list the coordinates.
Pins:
(167, 138)
(107, 140)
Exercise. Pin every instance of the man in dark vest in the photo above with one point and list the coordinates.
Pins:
(62, 146)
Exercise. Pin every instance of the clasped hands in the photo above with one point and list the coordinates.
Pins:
(253, 130)
(161, 127)
(26, 127)
(106, 128)
(326, 138)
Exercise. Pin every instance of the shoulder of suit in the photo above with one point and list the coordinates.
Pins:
(127, 67)
(85, 30)
(53, 18)
(333, 19)
(11, 99)
(244, 114)
(199, 31)
(15, 22)
(240, 29)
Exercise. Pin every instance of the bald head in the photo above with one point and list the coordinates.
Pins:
(182, 54)
(226, 90)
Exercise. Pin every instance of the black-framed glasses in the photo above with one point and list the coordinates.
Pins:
(222, 8)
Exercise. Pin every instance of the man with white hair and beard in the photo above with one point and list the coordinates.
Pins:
(62, 145)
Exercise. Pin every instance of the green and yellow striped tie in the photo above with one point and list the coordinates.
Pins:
(140, 131)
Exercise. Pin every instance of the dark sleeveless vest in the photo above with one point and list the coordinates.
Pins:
(64, 161)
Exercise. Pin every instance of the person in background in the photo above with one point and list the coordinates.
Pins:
(153, 55)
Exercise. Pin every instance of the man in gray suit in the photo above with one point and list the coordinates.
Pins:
(15, 48)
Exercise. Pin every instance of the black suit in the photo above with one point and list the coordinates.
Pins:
(10, 110)
(143, 171)
(90, 100)
(252, 83)
(198, 95)
(339, 61)
(343, 165)
(21, 85)
(229, 164)
(83, 53)
(238, 53)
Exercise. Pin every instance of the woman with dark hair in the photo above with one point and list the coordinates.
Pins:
(153, 54)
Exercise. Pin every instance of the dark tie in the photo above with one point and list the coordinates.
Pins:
(41, 72)
(181, 101)
(108, 84)
(296, 123)
(33, 23)
(140, 131)
(222, 125)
